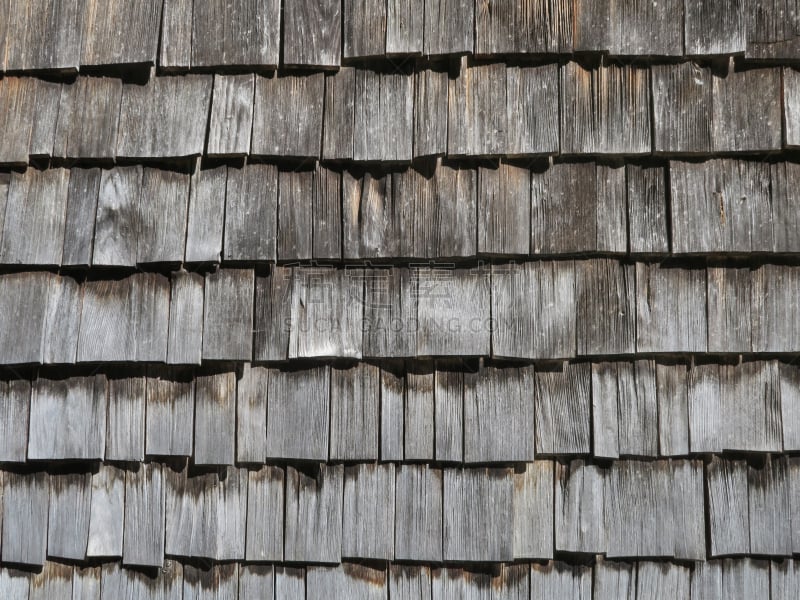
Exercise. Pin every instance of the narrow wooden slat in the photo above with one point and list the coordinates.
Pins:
(371, 217)
(228, 315)
(326, 209)
(52, 41)
(670, 309)
(404, 26)
(185, 344)
(476, 109)
(143, 536)
(418, 415)
(579, 508)
(231, 112)
(273, 311)
(498, 415)
(215, 419)
(117, 222)
(673, 410)
(33, 228)
(775, 326)
(789, 377)
(23, 309)
(264, 539)
(704, 404)
(62, 321)
(103, 23)
(784, 579)
(184, 508)
(504, 210)
(682, 108)
(449, 27)
(532, 110)
(106, 515)
(478, 515)
(368, 511)
(339, 117)
(614, 580)
(448, 418)
(162, 217)
(791, 102)
(251, 415)
(546, 329)
(729, 322)
(733, 129)
(715, 27)
(169, 414)
(15, 397)
(533, 511)
(418, 513)
(68, 522)
(612, 225)
(242, 33)
(175, 51)
(25, 507)
(152, 124)
(251, 213)
(561, 580)
(126, 419)
(606, 110)
(783, 181)
(84, 190)
(383, 116)
(298, 416)
(313, 529)
(312, 33)
(355, 413)
(68, 419)
(563, 410)
(295, 237)
(256, 581)
(392, 413)
(768, 509)
(647, 210)
(430, 104)
(88, 115)
(606, 305)
(364, 28)
(205, 219)
(346, 581)
(728, 517)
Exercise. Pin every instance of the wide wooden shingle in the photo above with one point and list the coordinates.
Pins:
(228, 315)
(313, 529)
(23, 310)
(531, 26)
(169, 414)
(563, 410)
(162, 207)
(298, 414)
(579, 508)
(409, 582)
(605, 292)
(775, 325)
(312, 33)
(682, 108)
(355, 413)
(647, 210)
(251, 214)
(404, 26)
(504, 210)
(346, 581)
(728, 516)
(28, 115)
(88, 115)
(716, 27)
(368, 513)
(744, 122)
(364, 28)
(25, 515)
(449, 27)
(44, 35)
(120, 32)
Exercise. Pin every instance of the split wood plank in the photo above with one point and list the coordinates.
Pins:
(430, 110)
(654, 579)
(743, 122)
(232, 112)
(745, 578)
(533, 511)
(251, 213)
(326, 210)
(404, 26)
(449, 27)
(716, 27)
(295, 236)
(614, 580)
(185, 343)
(339, 117)
(222, 579)
(175, 53)
(769, 509)
(55, 581)
(682, 108)
(383, 116)
(392, 415)
(556, 579)
(364, 28)
(531, 26)
(606, 307)
(163, 207)
(580, 508)
(215, 419)
(409, 582)
(647, 210)
(228, 315)
(358, 582)
(62, 321)
(88, 115)
(79, 221)
(117, 221)
(251, 414)
(256, 581)
(791, 102)
(23, 310)
(729, 522)
(371, 217)
(273, 310)
(531, 110)
(504, 210)
(784, 178)
(448, 417)
(477, 118)
(419, 413)
(508, 581)
(313, 529)
(29, 109)
(774, 313)
(390, 313)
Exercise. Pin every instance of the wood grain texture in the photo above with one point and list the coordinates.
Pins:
(448, 396)
(743, 122)
(223, 580)
(228, 315)
(533, 510)
(418, 513)
(390, 313)
(449, 27)
(25, 511)
(769, 509)
(682, 108)
(287, 118)
(126, 419)
(251, 414)
(670, 309)
(273, 311)
(295, 238)
(204, 228)
(606, 307)
(23, 309)
(175, 49)
(419, 414)
(33, 228)
(364, 28)
(715, 27)
(326, 209)
(163, 208)
(61, 321)
(153, 125)
(117, 582)
(117, 222)
(215, 419)
(55, 581)
(672, 390)
(430, 108)
(392, 415)
(664, 577)
(185, 344)
(368, 511)
(15, 397)
(169, 415)
(383, 116)
(579, 508)
(791, 103)
(727, 507)
(783, 181)
(313, 529)
(86, 582)
(84, 189)
(339, 116)
(355, 413)
(404, 26)
(68, 419)
(256, 581)
(605, 110)
(504, 210)
(509, 581)
(29, 109)
(312, 33)
(68, 521)
(88, 115)
(612, 226)
(264, 538)
(409, 582)
(251, 213)
(106, 514)
(556, 579)
(563, 410)
(371, 216)
(231, 115)
(478, 515)
(241, 33)
(532, 110)
(298, 414)
(647, 210)
(745, 578)
(499, 415)
(104, 23)
(546, 330)
(774, 325)
(346, 581)
(704, 407)
(51, 41)
(531, 26)
(784, 578)
(614, 580)
(143, 535)
(476, 117)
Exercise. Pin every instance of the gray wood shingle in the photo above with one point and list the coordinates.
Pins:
(419, 412)
(716, 27)
(448, 396)
(204, 228)
(579, 508)
(228, 315)
(346, 581)
(273, 309)
(264, 538)
(117, 217)
(449, 27)
(120, 32)
(50, 42)
(82, 197)
(743, 122)
(418, 513)
(404, 26)
(563, 410)
(355, 413)
(125, 431)
(215, 419)
(682, 108)
(561, 580)
(251, 213)
(68, 522)
(88, 115)
(169, 414)
(605, 290)
(143, 535)
(15, 398)
(383, 116)
(251, 414)
(25, 506)
(185, 342)
(504, 210)
(312, 33)
(162, 208)
(531, 26)
(533, 510)
(368, 511)
(106, 514)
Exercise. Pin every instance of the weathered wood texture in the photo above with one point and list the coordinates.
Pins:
(231, 115)
(312, 33)
(313, 529)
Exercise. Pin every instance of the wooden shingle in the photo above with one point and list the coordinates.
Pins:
(185, 318)
(670, 309)
(240, 33)
(504, 210)
(647, 210)
(606, 307)
(215, 419)
(165, 118)
(392, 415)
(228, 315)
(704, 408)
(88, 115)
(312, 33)
(716, 27)
(295, 237)
(62, 321)
(789, 377)
(768, 508)
(355, 413)
(368, 513)
(231, 112)
(339, 116)
(745, 578)
(449, 28)
(430, 107)
(117, 582)
(533, 510)
(326, 210)
(15, 398)
(364, 28)
(255, 580)
(33, 228)
(222, 579)
(418, 513)
(791, 102)
(28, 115)
(298, 415)
(86, 582)
(169, 415)
(162, 207)
(106, 515)
(605, 110)
(682, 108)
(404, 26)
(563, 410)
(579, 508)
(120, 32)
(784, 179)
(204, 227)
(478, 515)
(313, 529)
(23, 309)
(561, 580)
(251, 414)
(531, 110)
(290, 582)
(743, 122)
(784, 579)
(509, 581)
(287, 118)
(68, 522)
(264, 539)
(125, 432)
(25, 507)
(728, 517)
(448, 396)
(614, 580)
(372, 220)
(84, 189)
(143, 535)
(383, 116)
(666, 578)
(390, 313)
(775, 324)
(409, 582)
(52, 41)
(532, 26)
(476, 115)
(273, 310)
(251, 213)
(673, 409)
(55, 581)
(175, 49)
(546, 329)
(68, 419)
(498, 415)
(117, 217)
(358, 582)
(419, 413)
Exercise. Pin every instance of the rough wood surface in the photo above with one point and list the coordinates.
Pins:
(231, 114)
(682, 108)
(383, 116)
(355, 413)
(364, 28)
(346, 581)
(418, 415)
(673, 410)
(339, 117)
(88, 115)
(170, 415)
(106, 515)
(251, 213)
(768, 509)
(563, 410)
(448, 396)
(561, 580)
(256, 581)
(533, 511)
(418, 513)
(50, 42)
(647, 210)
(215, 419)
(15, 397)
(204, 227)
(449, 27)
(185, 344)
(295, 237)
(744, 122)
(143, 535)
(25, 513)
(175, 49)
(775, 326)
(504, 210)
(476, 117)
(117, 222)
(162, 208)
(430, 105)
(251, 414)
(62, 321)
(368, 511)
(606, 307)
(273, 310)
(791, 103)
(614, 580)
(264, 540)
(68, 522)
(228, 315)
(409, 582)
(579, 508)
(312, 33)
(55, 581)
(727, 507)
(23, 308)
(126, 420)
(404, 26)
(531, 110)
(392, 416)
(84, 189)
(223, 580)
(530, 26)
(716, 27)
(104, 23)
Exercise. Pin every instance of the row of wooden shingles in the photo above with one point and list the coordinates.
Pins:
(363, 413)
(606, 580)
(367, 116)
(320, 33)
(130, 216)
(543, 310)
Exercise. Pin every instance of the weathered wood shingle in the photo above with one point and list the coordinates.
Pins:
(119, 32)
(215, 419)
(298, 414)
(25, 517)
(312, 33)
(231, 115)
(251, 214)
(563, 410)
(88, 115)
(228, 315)
(368, 512)
(313, 529)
